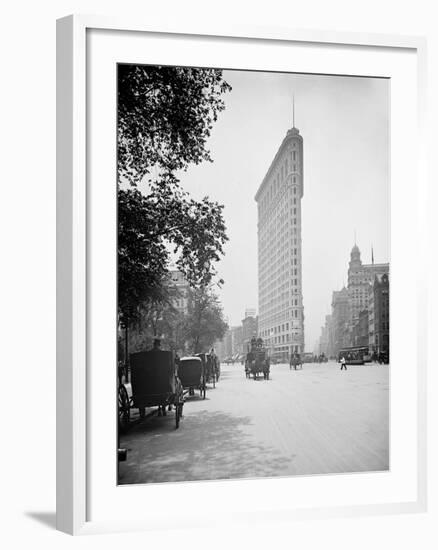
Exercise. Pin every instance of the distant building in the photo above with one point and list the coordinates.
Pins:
(180, 302)
(360, 330)
(360, 317)
(250, 312)
(378, 315)
(360, 276)
(340, 317)
(237, 340)
(326, 340)
(281, 311)
(249, 330)
(228, 344)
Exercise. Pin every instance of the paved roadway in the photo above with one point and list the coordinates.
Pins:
(312, 421)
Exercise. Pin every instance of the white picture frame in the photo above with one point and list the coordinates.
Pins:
(74, 219)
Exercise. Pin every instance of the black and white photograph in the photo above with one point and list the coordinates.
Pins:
(253, 216)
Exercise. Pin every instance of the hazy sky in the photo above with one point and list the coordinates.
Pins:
(344, 124)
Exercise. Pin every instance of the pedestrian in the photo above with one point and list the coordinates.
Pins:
(343, 363)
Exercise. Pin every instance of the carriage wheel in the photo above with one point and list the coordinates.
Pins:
(124, 408)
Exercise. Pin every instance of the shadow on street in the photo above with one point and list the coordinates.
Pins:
(208, 445)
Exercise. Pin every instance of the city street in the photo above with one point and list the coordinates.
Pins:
(312, 421)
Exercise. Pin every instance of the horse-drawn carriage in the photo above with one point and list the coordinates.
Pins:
(192, 374)
(295, 361)
(257, 360)
(211, 367)
(154, 383)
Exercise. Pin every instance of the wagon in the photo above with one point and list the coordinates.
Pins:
(155, 383)
(191, 372)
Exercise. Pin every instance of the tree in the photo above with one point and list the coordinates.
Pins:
(204, 322)
(165, 116)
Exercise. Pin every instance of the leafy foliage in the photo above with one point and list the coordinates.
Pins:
(204, 323)
(165, 116)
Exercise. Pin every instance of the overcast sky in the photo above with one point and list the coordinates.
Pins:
(344, 124)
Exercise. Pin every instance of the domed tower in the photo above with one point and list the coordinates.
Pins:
(355, 283)
(355, 263)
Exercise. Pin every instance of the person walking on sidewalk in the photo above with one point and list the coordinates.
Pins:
(343, 363)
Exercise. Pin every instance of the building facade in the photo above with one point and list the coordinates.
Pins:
(281, 310)
(360, 276)
(249, 331)
(180, 302)
(250, 312)
(360, 312)
(378, 315)
(340, 316)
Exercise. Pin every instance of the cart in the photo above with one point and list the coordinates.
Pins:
(155, 383)
(191, 372)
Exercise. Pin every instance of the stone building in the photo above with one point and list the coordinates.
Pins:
(360, 332)
(378, 315)
(281, 311)
(355, 309)
(360, 276)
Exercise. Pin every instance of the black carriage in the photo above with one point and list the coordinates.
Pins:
(257, 360)
(191, 372)
(154, 383)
